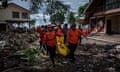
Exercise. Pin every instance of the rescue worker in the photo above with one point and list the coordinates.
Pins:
(59, 31)
(80, 38)
(72, 39)
(65, 30)
(39, 30)
(50, 39)
(42, 35)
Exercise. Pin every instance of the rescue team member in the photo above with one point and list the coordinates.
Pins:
(80, 38)
(59, 31)
(42, 32)
(72, 39)
(50, 39)
(39, 30)
(42, 37)
(65, 30)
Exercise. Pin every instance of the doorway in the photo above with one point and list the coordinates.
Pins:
(109, 26)
(2, 27)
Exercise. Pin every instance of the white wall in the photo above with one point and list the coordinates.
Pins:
(6, 14)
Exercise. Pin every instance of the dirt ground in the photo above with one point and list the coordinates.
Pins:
(89, 58)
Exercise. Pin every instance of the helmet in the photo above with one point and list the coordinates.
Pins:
(49, 26)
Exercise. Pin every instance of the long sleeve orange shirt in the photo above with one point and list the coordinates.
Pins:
(72, 36)
(50, 38)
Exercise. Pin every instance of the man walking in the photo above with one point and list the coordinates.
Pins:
(65, 30)
(72, 39)
(50, 39)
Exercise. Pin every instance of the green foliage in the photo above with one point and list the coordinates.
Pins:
(81, 9)
(32, 22)
(53, 18)
(4, 4)
(71, 19)
(52, 6)
(57, 17)
(35, 5)
(55, 8)
(30, 53)
(34, 53)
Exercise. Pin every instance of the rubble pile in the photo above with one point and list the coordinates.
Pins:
(18, 40)
(89, 58)
(101, 58)
(14, 42)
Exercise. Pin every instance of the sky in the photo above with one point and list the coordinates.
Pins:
(74, 4)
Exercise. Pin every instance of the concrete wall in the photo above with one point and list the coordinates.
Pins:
(6, 14)
(115, 23)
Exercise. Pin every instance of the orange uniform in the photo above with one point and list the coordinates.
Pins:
(42, 33)
(50, 38)
(59, 32)
(73, 36)
(38, 30)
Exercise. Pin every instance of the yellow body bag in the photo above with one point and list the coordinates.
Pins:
(61, 47)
